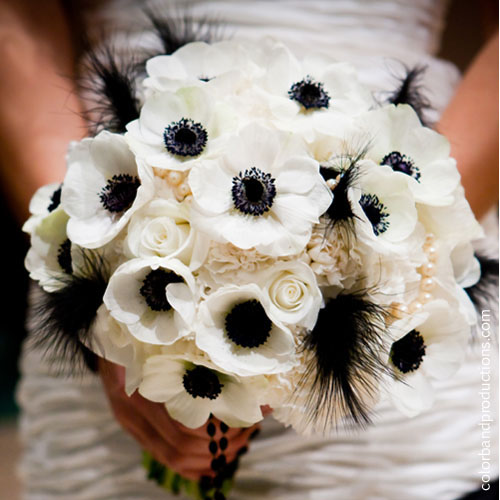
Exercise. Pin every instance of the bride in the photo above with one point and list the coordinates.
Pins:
(75, 443)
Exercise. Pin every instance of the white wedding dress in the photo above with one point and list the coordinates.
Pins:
(76, 451)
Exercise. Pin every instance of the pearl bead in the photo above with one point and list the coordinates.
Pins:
(331, 183)
(160, 172)
(430, 238)
(183, 190)
(431, 253)
(399, 310)
(415, 306)
(424, 297)
(174, 178)
(427, 285)
(428, 269)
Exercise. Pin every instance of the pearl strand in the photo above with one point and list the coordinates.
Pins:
(427, 281)
(177, 181)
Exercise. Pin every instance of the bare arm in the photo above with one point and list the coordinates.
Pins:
(39, 109)
(471, 124)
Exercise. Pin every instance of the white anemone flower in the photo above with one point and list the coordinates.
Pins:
(294, 296)
(384, 207)
(176, 129)
(264, 191)
(103, 187)
(162, 229)
(454, 223)
(238, 331)
(220, 68)
(316, 93)
(46, 200)
(154, 298)
(193, 389)
(431, 346)
(50, 257)
(418, 154)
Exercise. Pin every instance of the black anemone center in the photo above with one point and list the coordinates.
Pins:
(376, 212)
(185, 138)
(55, 199)
(309, 93)
(253, 191)
(408, 352)
(201, 382)
(154, 288)
(119, 193)
(247, 324)
(401, 163)
(64, 257)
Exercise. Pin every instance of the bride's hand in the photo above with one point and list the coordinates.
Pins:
(184, 450)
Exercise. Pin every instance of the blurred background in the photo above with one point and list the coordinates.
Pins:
(467, 28)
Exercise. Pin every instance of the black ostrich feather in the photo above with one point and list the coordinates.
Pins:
(410, 91)
(108, 83)
(484, 294)
(175, 29)
(344, 169)
(63, 319)
(346, 367)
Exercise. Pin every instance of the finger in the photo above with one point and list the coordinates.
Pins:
(193, 441)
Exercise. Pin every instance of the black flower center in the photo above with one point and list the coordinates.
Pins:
(64, 257)
(253, 191)
(309, 93)
(401, 163)
(154, 288)
(119, 193)
(247, 324)
(408, 352)
(201, 382)
(376, 212)
(185, 138)
(55, 199)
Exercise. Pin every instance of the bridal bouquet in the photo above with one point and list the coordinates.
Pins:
(263, 232)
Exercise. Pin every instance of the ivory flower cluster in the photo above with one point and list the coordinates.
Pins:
(253, 189)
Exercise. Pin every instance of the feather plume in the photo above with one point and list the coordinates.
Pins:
(410, 91)
(65, 317)
(345, 170)
(345, 367)
(108, 84)
(177, 28)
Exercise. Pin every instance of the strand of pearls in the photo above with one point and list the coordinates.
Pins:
(427, 281)
(177, 181)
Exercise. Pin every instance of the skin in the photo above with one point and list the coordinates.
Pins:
(171, 443)
(471, 124)
(40, 115)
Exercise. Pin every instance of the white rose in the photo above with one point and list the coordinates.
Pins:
(293, 292)
(162, 229)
